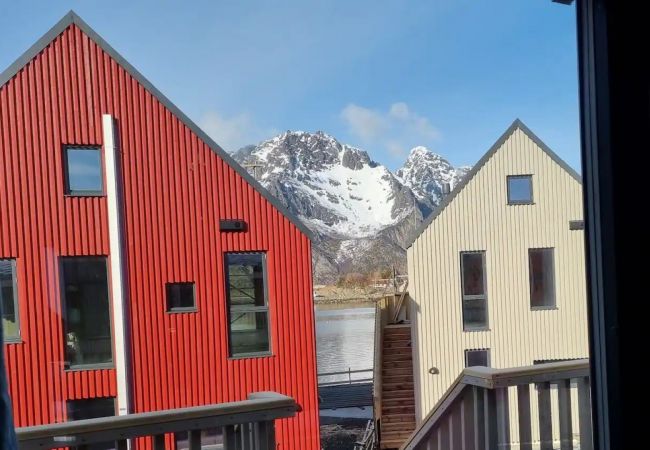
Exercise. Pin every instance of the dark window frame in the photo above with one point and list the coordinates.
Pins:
(71, 400)
(483, 296)
(97, 445)
(68, 192)
(530, 280)
(90, 366)
(487, 352)
(181, 309)
(14, 278)
(248, 309)
(528, 176)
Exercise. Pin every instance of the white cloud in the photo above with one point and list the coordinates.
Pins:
(396, 130)
(232, 133)
(365, 123)
(395, 148)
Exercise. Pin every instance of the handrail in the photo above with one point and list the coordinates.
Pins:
(349, 380)
(344, 372)
(495, 379)
(400, 302)
(490, 378)
(260, 407)
(377, 362)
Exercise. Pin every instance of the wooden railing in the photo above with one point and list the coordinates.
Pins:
(245, 425)
(346, 380)
(381, 319)
(476, 413)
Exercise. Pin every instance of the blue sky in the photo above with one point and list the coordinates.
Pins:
(382, 75)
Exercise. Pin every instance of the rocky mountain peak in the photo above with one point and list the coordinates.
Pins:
(360, 212)
(425, 173)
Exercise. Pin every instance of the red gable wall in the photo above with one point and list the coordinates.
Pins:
(175, 191)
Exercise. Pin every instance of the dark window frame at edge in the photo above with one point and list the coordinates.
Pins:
(67, 367)
(14, 274)
(180, 309)
(532, 190)
(530, 278)
(485, 327)
(67, 191)
(262, 354)
(614, 110)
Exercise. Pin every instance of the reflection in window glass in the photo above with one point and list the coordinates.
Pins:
(180, 297)
(87, 316)
(473, 289)
(520, 189)
(9, 298)
(473, 274)
(542, 280)
(83, 170)
(477, 358)
(247, 303)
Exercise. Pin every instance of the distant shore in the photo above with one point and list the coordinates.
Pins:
(324, 295)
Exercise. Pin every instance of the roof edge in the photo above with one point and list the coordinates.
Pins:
(516, 124)
(72, 18)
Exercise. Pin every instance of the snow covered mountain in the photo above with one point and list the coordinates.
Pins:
(425, 173)
(361, 213)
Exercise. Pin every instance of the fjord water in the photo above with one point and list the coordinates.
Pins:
(344, 339)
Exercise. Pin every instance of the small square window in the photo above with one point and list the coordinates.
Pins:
(520, 189)
(180, 297)
(83, 171)
(479, 357)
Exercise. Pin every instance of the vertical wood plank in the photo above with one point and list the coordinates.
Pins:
(584, 414)
(525, 424)
(443, 432)
(194, 439)
(468, 423)
(265, 435)
(231, 438)
(490, 418)
(159, 442)
(479, 417)
(564, 405)
(503, 418)
(545, 424)
(455, 427)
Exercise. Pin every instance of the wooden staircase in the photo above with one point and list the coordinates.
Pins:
(397, 395)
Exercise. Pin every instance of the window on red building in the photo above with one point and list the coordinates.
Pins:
(248, 307)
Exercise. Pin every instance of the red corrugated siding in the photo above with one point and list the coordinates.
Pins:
(175, 191)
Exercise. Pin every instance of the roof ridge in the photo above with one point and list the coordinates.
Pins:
(73, 18)
(517, 124)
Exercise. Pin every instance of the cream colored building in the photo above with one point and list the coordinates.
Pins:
(499, 268)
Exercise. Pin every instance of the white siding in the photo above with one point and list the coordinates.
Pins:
(479, 218)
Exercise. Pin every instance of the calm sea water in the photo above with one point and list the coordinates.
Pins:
(344, 339)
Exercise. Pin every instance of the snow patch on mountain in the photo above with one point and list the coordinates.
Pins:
(425, 173)
(361, 213)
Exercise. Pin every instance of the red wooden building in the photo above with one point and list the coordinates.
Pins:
(141, 267)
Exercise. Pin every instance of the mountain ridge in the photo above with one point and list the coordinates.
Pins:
(361, 214)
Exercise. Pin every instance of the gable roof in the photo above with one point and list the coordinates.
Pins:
(516, 125)
(72, 18)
